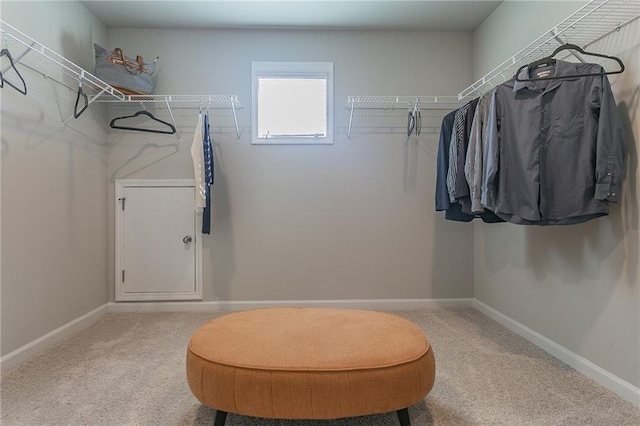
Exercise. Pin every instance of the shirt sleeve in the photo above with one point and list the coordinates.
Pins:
(198, 166)
(610, 147)
(453, 164)
(490, 157)
(442, 193)
(473, 167)
(462, 188)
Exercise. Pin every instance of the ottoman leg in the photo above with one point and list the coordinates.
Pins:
(403, 416)
(221, 417)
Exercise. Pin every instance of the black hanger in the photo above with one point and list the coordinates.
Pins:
(140, 129)
(549, 59)
(5, 52)
(82, 95)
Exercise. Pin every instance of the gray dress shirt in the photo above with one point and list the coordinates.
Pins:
(457, 136)
(557, 148)
(462, 188)
(474, 162)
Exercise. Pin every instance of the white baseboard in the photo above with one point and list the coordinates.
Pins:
(379, 304)
(610, 381)
(22, 353)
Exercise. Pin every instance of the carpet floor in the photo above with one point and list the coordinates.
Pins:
(129, 369)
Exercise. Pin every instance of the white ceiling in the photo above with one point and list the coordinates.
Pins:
(453, 15)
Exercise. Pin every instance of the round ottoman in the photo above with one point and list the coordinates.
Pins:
(309, 363)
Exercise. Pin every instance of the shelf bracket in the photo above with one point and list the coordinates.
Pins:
(350, 120)
(235, 118)
(173, 119)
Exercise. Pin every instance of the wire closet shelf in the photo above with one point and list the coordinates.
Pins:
(55, 67)
(51, 64)
(175, 102)
(445, 103)
(586, 26)
(184, 101)
(390, 102)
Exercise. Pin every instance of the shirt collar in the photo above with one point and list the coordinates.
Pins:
(562, 68)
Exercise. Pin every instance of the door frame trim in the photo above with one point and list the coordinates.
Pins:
(120, 295)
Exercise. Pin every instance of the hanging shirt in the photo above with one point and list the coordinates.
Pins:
(490, 163)
(442, 192)
(198, 166)
(457, 136)
(207, 150)
(474, 160)
(560, 147)
(453, 211)
(461, 187)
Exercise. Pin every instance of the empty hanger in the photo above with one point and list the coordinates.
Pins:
(5, 52)
(142, 129)
(82, 95)
(550, 60)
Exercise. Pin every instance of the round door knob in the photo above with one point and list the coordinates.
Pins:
(187, 239)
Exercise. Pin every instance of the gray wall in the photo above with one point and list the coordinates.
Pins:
(54, 184)
(577, 285)
(353, 220)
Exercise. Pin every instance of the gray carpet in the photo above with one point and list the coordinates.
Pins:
(129, 369)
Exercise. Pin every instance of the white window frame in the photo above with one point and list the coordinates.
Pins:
(292, 70)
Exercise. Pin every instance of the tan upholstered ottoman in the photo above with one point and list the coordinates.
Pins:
(308, 363)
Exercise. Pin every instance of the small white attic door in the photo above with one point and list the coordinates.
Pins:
(157, 241)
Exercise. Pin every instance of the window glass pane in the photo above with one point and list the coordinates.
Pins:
(292, 107)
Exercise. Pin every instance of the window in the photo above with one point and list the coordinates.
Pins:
(292, 102)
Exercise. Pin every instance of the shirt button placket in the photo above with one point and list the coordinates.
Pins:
(544, 130)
